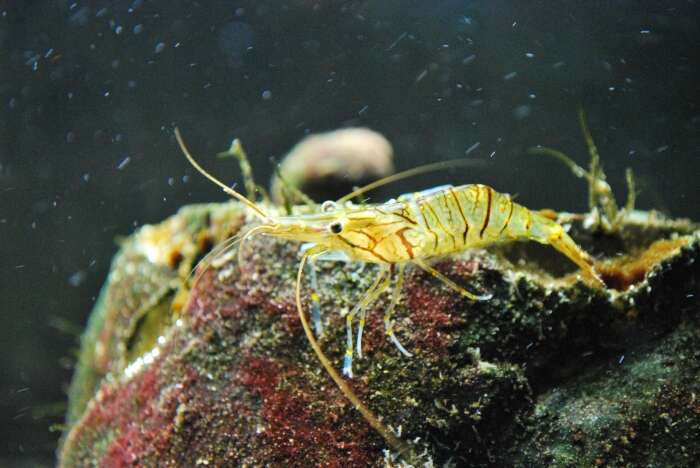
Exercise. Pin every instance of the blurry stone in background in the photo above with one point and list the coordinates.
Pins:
(328, 165)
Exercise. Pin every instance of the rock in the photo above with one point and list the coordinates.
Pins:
(547, 373)
(327, 165)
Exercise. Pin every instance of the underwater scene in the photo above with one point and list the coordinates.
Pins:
(459, 233)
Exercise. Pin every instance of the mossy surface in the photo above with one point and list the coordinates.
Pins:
(548, 372)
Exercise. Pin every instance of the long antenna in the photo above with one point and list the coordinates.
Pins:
(225, 187)
(410, 173)
(394, 442)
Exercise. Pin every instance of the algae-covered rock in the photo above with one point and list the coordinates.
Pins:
(640, 409)
(547, 372)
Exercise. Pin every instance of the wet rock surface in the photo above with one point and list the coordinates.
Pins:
(547, 373)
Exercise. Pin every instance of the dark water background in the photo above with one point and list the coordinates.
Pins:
(90, 92)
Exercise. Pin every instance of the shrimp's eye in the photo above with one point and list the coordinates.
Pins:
(336, 227)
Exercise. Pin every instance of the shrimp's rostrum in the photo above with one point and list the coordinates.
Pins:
(410, 230)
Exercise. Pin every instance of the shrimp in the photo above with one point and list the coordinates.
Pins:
(412, 229)
(604, 213)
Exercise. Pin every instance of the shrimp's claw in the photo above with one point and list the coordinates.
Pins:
(315, 299)
(360, 329)
(316, 314)
(451, 284)
(347, 363)
(397, 343)
(480, 297)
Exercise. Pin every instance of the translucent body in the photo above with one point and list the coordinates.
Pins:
(430, 224)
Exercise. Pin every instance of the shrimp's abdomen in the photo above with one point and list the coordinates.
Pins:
(457, 218)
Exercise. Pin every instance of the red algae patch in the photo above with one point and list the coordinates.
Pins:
(293, 429)
(136, 419)
(431, 315)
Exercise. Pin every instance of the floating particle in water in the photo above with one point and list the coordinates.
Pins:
(118, 30)
(86, 177)
(77, 278)
(80, 17)
(510, 76)
(32, 61)
(124, 162)
(472, 148)
(138, 29)
(529, 55)
(135, 5)
(171, 181)
(559, 64)
(312, 46)
(159, 47)
(397, 40)
(234, 39)
(468, 60)
(267, 94)
(522, 112)
(70, 137)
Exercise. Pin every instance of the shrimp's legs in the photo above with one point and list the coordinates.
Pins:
(380, 284)
(388, 323)
(452, 284)
(315, 300)
(236, 151)
(363, 313)
(393, 441)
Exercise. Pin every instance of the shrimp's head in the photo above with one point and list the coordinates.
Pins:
(362, 233)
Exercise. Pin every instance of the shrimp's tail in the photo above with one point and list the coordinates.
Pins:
(549, 232)
(561, 241)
